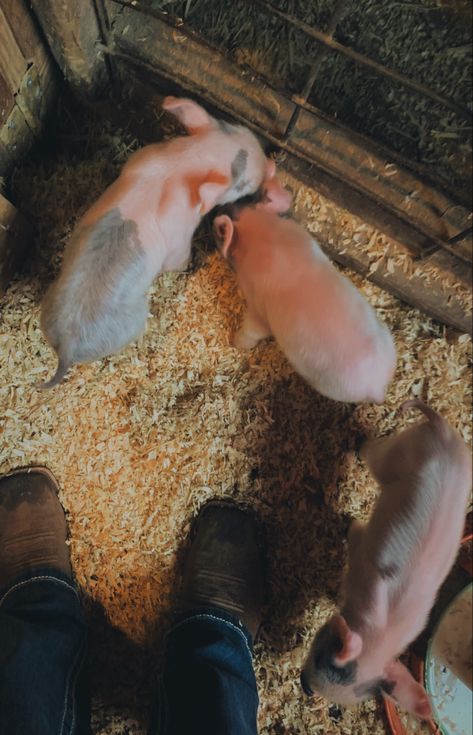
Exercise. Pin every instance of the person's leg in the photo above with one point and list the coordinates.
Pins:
(43, 689)
(208, 683)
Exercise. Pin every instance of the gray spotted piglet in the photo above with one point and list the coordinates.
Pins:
(140, 227)
(396, 564)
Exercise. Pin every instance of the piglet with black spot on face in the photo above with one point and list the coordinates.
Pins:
(140, 227)
(396, 564)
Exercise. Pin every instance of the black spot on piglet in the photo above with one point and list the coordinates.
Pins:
(238, 166)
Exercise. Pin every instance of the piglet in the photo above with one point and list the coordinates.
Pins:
(396, 564)
(142, 226)
(328, 332)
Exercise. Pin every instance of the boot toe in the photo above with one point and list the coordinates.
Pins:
(224, 568)
(33, 529)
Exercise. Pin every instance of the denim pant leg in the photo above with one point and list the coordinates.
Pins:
(208, 683)
(43, 639)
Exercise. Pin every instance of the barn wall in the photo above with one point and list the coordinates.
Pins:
(28, 86)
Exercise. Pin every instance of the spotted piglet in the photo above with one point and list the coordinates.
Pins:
(396, 564)
(142, 226)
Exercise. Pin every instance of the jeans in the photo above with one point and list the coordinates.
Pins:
(207, 683)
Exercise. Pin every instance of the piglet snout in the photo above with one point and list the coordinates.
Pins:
(276, 198)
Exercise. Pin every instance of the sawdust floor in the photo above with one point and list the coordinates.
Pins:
(139, 441)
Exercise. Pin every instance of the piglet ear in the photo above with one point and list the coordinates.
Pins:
(276, 198)
(211, 190)
(191, 115)
(352, 642)
(223, 231)
(404, 689)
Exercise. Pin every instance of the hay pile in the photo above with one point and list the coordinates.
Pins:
(140, 440)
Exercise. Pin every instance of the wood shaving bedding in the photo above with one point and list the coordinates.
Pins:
(140, 440)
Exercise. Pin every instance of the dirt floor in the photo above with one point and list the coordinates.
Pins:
(140, 440)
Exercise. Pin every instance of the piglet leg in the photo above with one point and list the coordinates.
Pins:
(251, 332)
(406, 691)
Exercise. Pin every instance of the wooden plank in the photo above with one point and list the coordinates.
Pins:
(15, 139)
(22, 27)
(343, 194)
(27, 82)
(449, 264)
(7, 99)
(198, 68)
(340, 152)
(73, 34)
(463, 247)
(16, 237)
(12, 62)
(37, 92)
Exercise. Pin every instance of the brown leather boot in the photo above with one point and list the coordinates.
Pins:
(224, 567)
(33, 528)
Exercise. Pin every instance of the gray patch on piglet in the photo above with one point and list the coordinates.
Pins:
(238, 168)
(98, 304)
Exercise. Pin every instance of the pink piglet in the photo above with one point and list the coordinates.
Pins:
(327, 330)
(396, 564)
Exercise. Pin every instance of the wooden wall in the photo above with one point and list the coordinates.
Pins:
(28, 86)
(27, 82)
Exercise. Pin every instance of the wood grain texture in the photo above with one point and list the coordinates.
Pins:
(73, 34)
(16, 235)
(12, 62)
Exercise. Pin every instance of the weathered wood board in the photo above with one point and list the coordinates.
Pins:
(16, 235)
(28, 87)
(74, 36)
(28, 82)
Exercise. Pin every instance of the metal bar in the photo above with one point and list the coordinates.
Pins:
(418, 168)
(460, 236)
(384, 71)
(104, 32)
(339, 11)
